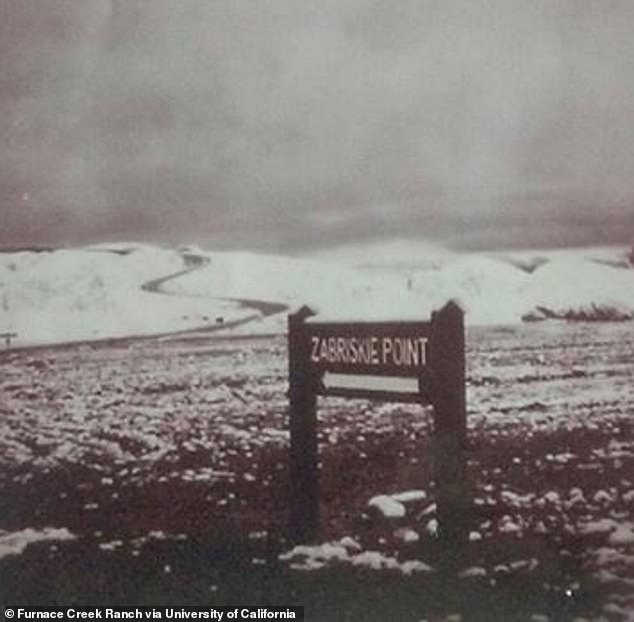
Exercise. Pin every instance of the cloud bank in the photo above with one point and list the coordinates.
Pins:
(281, 125)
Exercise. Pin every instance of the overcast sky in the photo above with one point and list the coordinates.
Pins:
(283, 125)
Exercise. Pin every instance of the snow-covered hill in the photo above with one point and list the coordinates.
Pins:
(132, 289)
(581, 289)
(95, 293)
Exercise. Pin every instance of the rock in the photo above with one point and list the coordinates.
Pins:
(387, 506)
(406, 535)
(409, 496)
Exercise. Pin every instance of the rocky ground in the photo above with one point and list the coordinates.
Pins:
(156, 473)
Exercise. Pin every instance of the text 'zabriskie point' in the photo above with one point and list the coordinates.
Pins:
(398, 351)
(374, 348)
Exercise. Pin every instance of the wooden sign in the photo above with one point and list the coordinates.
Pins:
(433, 352)
(376, 349)
(372, 348)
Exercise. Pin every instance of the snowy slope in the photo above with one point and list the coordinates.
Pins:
(322, 286)
(98, 292)
(490, 291)
(406, 282)
(506, 287)
(395, 255)
(529, 260)
(579, 288)
(78, 294)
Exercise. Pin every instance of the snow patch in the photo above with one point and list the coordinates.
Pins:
(623, 535)
(308, 558)
(387, 506)
(601, 526)
(16, 542)
(409, 496)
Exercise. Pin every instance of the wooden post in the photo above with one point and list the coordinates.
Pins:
(447, 393)
(7, 338)
(303, 432)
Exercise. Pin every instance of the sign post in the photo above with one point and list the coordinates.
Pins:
(446, 388)
(303, 431)
(7, 338)
(432, 352)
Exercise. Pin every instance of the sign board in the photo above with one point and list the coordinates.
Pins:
(376, 348)
(433, 352)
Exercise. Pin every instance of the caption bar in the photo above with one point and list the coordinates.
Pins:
(216, 614)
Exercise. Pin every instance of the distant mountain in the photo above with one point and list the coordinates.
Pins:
(113, 290)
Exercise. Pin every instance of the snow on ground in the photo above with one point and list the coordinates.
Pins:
(106, 290)
(398, 254)
(347, 551)
(490, 291)
(297, 282)
(387, 506)
(401, 283)
(93, 293)
(14, 543)
(122, 441)
(529, 260)
(577, 285)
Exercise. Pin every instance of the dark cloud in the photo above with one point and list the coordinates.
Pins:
(282, 125)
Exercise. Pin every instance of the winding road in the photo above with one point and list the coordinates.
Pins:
(193, 262)
(264, 308)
